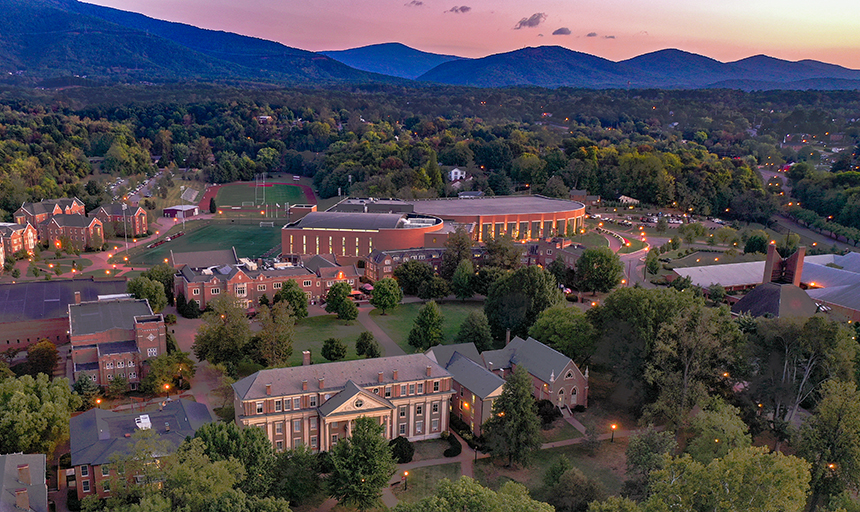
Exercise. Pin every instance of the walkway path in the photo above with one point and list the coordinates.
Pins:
(389, 347)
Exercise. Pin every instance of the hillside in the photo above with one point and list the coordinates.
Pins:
(394, 59)
(51, 38)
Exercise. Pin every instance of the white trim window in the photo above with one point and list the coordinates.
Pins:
(195, 291)
(241, 290)
(216, 291)
(261, 287)
(277, 285)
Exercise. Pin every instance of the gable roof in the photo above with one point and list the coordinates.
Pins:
(540, 360)
(97, 434)
(351, 392)
(776, 299)
(443, 353)
(115, 209)
(73, 221)
(364, 372)
(474, 377)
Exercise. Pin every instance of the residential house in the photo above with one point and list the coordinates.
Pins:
(78, 231)
(37, 213)
(131, 220)
(112, 336)
(456, 174)
(555, 377)
(22, 482)
(475, 387)
(17, 238)
(315, 405)
(98, 435)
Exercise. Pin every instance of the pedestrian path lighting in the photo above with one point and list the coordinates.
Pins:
(613, 427)
(406, 480)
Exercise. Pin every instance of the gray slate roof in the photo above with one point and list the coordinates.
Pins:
(117, 347)
(474, 376)
(776, 299)
(97, 434)
(495, 205)
(115, 209)
(39, 300)
(364, 372)
(93, 317)
(540, 360)
(443, 353)
(71, 220)
(349, 220)
(37, 491)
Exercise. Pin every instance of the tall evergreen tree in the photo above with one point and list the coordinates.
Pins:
(458, 247)
(462, 280)
(427, 328)
(513, 430)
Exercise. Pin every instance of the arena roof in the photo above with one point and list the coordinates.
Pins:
(42, 300)
(495, 205)
(359, 221)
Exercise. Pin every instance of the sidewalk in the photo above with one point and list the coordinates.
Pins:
(389, 347)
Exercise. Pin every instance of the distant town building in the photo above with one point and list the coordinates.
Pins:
(133, 217)
(17, 238)
(80, 232)
(456, 174)
(181, 211)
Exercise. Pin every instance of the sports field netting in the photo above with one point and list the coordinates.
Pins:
(250, 241)
(237, 194)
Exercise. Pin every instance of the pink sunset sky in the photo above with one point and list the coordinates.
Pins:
(727, 30)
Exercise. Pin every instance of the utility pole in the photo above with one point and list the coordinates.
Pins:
(125, 226)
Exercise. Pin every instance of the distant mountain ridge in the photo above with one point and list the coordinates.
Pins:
(50, 39)
(394, 59)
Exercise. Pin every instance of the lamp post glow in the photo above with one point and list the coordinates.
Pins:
(167, 389)
(613, 427)
(406, 480)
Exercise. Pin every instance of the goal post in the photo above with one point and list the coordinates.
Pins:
(267, 224)
(260, 188)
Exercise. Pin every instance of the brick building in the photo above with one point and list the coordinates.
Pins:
(133, 218)
(35, 310)
(315, 405)
(329, 271)
(37, 213)
(18, 237)
(202, 285)
(79, 231)
(97, 435)
(382, 264)
(112, 337)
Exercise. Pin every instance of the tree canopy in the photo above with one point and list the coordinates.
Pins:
(516, 299)
(386, 294)
(34, 413)
(224, 333)
(512, 432)
(361, 465)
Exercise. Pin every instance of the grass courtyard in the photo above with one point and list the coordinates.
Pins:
(398, 323)
(250, 241)
(312, 331)
(238, 193)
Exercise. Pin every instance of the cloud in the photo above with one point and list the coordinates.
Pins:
(563, 31)
(414, 3)
(591, 34)
(462, 9)
(608, 37)
(532, 21)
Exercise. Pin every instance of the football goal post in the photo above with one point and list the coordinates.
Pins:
(267, 224)
(260, 188)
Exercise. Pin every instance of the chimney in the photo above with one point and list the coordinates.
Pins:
(306, 357)
(429, 369)
(77, 297)
(379, 377)
(490, 365)
(24, 474)
(507, 337)
(268, 390)
(395, 375)
(771, 265)
(304, 385)
(22, 500)
(322, 382)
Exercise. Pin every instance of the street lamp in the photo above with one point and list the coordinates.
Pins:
(167, 389)
(406, 480)
(613, 427)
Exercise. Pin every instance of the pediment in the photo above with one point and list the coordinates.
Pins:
(353, 399)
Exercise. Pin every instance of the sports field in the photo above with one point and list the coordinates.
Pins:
(250, 241)
(276, 193)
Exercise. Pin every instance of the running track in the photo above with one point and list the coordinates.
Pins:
(212, 191)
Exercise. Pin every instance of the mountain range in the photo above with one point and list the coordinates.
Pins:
(41, 40)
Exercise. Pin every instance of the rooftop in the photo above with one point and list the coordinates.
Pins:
(40, 300)
(474, 376)
(540, 360)
(37, 489)
(93, 317)
(97, 434)
(204, 259)
(356, 221)
(777, 300)
(495, 205)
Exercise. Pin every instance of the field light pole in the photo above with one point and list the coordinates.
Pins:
(125, 226)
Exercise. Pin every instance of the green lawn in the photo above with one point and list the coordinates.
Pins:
(560, 431)
(398, 323)
(312, 331)
(236, 194)
(429, 450)
(422, 481)
(635, 245)
(591, 240)
(250, 241)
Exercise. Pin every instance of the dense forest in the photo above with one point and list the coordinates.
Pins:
(695, 150)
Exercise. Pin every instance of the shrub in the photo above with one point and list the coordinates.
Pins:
(170, 319)
(548, 413)
(454, 448)
(402, 449)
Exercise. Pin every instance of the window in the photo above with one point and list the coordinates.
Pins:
(419, 410)
(261, 287)
(435, 386)
(279, 445)
(297, 441)
(412, 389)
(297, 425)
(151, 352)
(461, 404)
(420, 388)
(121, 375)
(333, 439)
(313, 400)
(334, 424)
(130, 363)
(402, 429)
(216, 291)
(402, 411)
(435, 407)
(109, 365)
(120, 364)
(106, 486)
(387, 391)
(403, 390)
(279, 428)
(297, 403)
(313, 423)
(313, 441)
(386, 269)
(306, 284)
(286, 404)
(277, 406)
(569, 375)
(419, 427)
(434, 425)
(86, 485)
(195, 291)
(241, 290)
(110, 376)
(461, 391)
(85, 471)
(375, 391)
(93, 378)
(259, 407)
(132, 375)
(277, 286)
